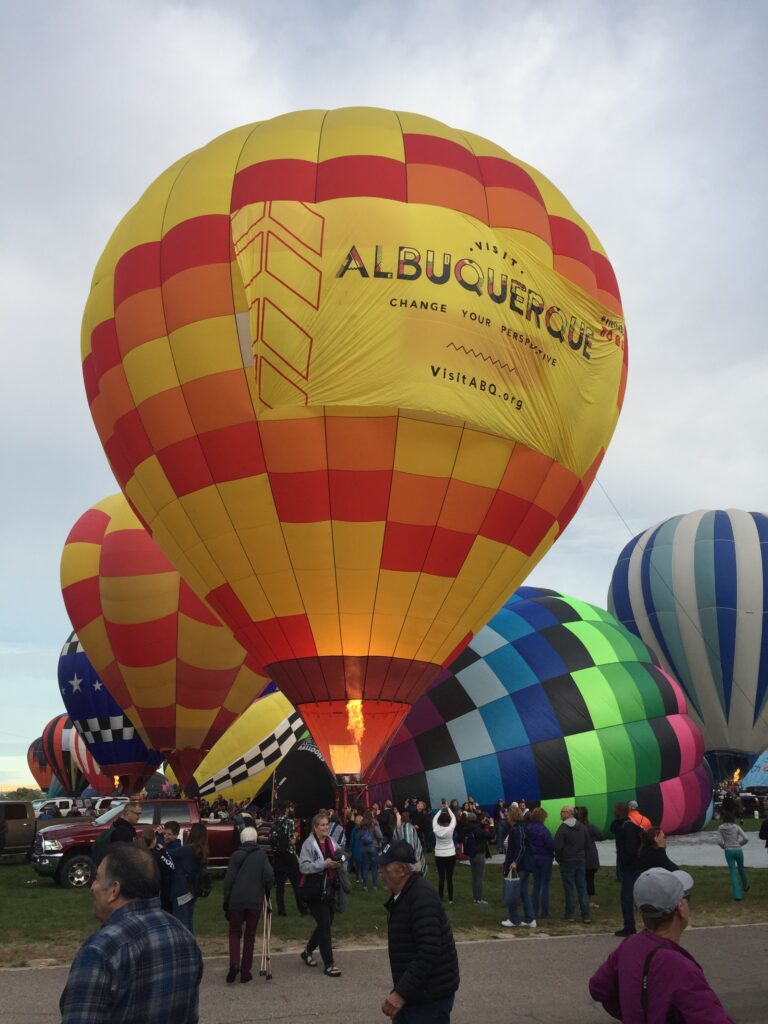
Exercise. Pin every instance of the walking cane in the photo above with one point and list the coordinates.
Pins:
(265, 970)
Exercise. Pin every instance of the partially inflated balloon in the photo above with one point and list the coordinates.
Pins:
(304, 779)
(165, 658)
(250, 750)
(112, 742)
(695, 589)
(38, 764)
(757, 776)
(355, 370)
(57, 748)
(556, 702)
(91, 769)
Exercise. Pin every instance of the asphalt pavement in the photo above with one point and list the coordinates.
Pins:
(515, 977)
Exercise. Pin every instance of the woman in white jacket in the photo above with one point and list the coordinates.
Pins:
(444, 825)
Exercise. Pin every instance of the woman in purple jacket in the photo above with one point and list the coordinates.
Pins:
(542, 847)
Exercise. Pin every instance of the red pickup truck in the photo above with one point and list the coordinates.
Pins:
(63, 852)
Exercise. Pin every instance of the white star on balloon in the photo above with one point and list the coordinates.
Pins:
(98, 685)
(75, 683)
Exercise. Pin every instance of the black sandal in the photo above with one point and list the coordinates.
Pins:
(308, 959)
(332, 971)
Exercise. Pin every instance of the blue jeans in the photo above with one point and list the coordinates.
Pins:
(573, 873)
(370, 862)
(512, 912)
(528, 910)
(501, 830)
(542, 876)
(184, 913)
(735, 861)
(425, 1013)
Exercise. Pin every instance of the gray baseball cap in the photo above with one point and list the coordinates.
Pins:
(661, 890)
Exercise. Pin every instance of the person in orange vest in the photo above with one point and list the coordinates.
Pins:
(635, 816)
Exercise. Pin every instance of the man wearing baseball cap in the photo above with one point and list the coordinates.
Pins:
(422, 953)
(650, 977)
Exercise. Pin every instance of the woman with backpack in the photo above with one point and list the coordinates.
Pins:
(405, 830)
(371, 839)
(248, 880)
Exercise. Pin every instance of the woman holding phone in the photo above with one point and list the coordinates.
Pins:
(444, 826)
(318, 867)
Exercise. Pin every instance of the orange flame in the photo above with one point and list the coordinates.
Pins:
(116, 781)
(355, 720)
(737, 775)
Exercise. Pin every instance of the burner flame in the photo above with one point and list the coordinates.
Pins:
(355, 720)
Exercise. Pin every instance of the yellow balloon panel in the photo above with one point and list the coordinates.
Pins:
(250, 750)
(356, 373)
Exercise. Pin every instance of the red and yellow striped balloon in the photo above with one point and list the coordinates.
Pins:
(163, 655)
(355, 370)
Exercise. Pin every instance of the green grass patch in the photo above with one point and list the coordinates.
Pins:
(40, 921)
(751, 824)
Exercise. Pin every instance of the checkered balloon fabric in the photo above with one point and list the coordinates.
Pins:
(554, 701)
(267, 752)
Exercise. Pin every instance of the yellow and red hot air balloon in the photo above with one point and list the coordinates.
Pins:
(355, 370)
(166, 659)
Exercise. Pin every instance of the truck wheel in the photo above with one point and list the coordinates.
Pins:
(77, 872)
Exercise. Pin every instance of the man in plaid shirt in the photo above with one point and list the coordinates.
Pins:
(142, 966)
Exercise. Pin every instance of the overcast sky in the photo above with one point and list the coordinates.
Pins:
(650, 117)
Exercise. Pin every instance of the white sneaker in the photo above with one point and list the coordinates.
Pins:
(529, 924)
(509, 924)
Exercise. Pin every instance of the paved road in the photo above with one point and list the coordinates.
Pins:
(514, 978)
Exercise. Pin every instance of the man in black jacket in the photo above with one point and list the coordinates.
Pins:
(124, 827)
(387, 821)
(627, 835)
(422, 953)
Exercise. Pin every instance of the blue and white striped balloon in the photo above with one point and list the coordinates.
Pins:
(695, 590)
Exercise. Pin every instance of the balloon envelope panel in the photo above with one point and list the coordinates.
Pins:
(250, 750)
(695, 589)
(167, 660)
(556, 702)
(757, 775)
(57, 747)
(304, 778)
(38, 764)
(83, 758)
(356, 371)
(107, 732)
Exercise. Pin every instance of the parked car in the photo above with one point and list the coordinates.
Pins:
(103, 803)
(17, 827)
(64, 804)
(750, 803)
(63, 851)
